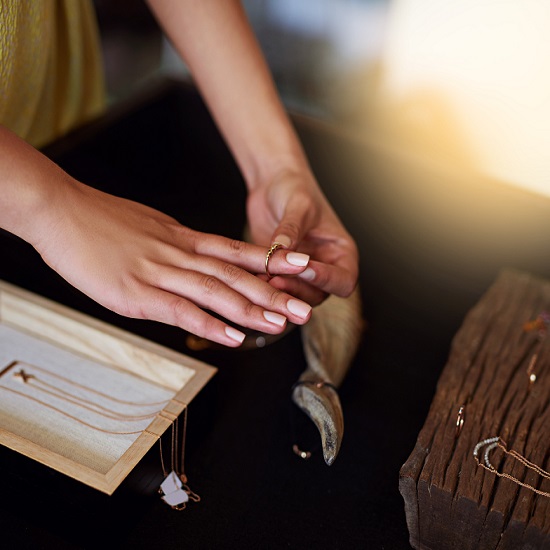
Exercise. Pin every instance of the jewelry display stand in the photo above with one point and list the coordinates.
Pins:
(81, 396)
(478, 475)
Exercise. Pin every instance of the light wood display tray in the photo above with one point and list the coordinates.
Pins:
(93, 385)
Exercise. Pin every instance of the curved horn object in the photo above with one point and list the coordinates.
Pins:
(330, 342)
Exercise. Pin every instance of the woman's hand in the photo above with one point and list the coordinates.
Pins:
(292, 210)
(285, 203)
(141, 263)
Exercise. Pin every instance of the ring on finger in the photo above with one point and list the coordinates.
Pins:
(270, 252)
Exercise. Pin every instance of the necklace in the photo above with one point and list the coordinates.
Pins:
(42, 385)
(174, 490)
(68, 415)
(494, 442)
(50, 389)
(81, 386)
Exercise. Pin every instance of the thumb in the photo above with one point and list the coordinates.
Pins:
(297, 219)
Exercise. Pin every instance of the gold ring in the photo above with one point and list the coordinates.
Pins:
(460, 420)
(270, 252)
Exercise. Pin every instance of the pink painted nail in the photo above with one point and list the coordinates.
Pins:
(275, 318)
(299, 308)
(307, 275)
(283, 239)
(235, 334)
(297, 258)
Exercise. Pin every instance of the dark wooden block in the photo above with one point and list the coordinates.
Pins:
(450, 501)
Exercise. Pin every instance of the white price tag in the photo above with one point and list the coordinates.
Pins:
(176, 497)
(171, 483)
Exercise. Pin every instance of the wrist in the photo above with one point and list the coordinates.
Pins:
(263, 170)
(31, 186)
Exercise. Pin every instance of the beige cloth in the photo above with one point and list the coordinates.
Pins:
(51, 71)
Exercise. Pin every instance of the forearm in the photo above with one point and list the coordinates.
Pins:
(30, 184)
(216, 41)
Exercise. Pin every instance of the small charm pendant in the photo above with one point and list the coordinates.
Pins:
(171, 483)
(176, 499)
(173, 493)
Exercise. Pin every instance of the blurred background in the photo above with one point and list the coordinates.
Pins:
(464, 83)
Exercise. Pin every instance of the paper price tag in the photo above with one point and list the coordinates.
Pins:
(176, 498)
(171, 483)
(172, 487)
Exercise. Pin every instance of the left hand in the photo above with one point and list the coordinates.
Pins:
(293, 210)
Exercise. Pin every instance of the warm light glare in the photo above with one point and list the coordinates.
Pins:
(477, 71)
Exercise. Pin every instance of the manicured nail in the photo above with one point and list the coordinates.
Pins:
(275, 318)
(299, 308)
(235, 334)
(283, 239)
(297, 258)
(307, 275)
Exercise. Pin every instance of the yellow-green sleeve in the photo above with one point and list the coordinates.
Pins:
(51, 70)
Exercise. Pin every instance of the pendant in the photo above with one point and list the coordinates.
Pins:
(173, 492)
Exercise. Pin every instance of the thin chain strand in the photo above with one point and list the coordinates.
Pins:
(490, 468)
(92, 390)
(523, 460)
(69, 415)
(94, 406)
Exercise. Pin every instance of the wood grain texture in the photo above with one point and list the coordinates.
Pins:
(450, 501)
(121, 351)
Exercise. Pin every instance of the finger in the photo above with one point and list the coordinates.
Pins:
(250, 256)
(236, 295)
(297, 220)
(339, 278)
(168, 308)
(299, 289)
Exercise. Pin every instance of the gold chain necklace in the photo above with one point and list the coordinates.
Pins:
(174, 490)
(68, 415)
(494, 442)
(83, 387)
(50, 389)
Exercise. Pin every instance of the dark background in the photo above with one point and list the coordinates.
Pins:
(417, 284)
(431, 238)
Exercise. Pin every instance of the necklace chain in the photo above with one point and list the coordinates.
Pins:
(177, 451)
(82, 386)
(494, 442)
(37, 383)
(68, 415)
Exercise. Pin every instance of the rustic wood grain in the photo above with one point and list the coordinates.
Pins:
(450, 501)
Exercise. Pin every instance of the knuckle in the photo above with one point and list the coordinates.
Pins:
(249, 309)
(274, 298)
(210, 284)
(181, 312)
(290, 227)
(231, 273)
(237, 247)
(199, 326)
(185, 318)
(188, 235)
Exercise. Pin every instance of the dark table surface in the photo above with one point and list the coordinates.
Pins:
(431, 239)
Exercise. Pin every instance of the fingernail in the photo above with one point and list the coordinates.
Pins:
(275, 318)
(299, 308)
(308, 274)
(283, 239)
(235, 334)
(297, 258)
